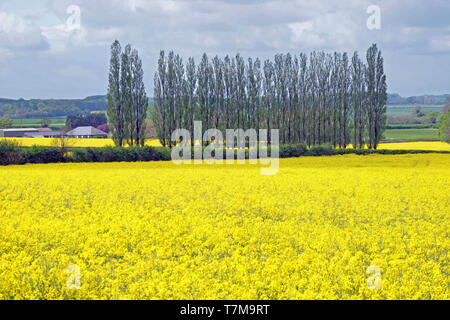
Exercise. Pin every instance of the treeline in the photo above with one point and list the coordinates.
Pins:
(81, 120)
(418, 117)
(396, 99)
(323, 98)
(127, 99)
(36, 108)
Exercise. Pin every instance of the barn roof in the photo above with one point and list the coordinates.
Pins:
(44, 130)
(42, 134)
(20, 129)
(86, 131)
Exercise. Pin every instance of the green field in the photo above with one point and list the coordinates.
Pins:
(389, 134)
(55, 122)
(411, 134)
(397, 110)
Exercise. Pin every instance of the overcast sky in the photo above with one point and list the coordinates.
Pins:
(43, 53)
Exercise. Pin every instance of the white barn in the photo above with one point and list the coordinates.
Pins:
(86, 132)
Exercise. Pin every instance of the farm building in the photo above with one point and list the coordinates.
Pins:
(42, 134)
(16, 132)
(86, 132)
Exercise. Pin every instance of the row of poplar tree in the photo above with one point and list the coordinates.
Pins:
(127, 99)
(323, 98)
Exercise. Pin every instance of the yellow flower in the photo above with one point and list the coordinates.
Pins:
(161, 231)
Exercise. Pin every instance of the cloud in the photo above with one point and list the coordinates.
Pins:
(440, 43)
(18, 35)
(61, 37)
(330, 31)
(190, 27)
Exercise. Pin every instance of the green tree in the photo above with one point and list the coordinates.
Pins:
(444, 128)
(116, 116)
(6, 123)
(376, 95)
(358, 97)
(323, 99)
(126, 90)
(127, 99)
(159, 115)
(433, 117)
(381, 99)
(139, 100)
(418, 112)
(45, 122)
(190, 85)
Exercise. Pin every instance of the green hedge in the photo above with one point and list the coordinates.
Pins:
(12, 153)
(297, 150)
(42, 155)
(116, 154)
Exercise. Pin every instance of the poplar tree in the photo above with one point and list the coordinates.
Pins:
(303, 96)
(344, 85)
(358, 99)
(115, 110)
(380, 100)
(269, 95)
(139, 98)
(370, 76)
(203, 91)
(127, 99)
(191, 84)
(160, 84)
(228, 92)
(323, 99)
(126, 89)
(240, 94)
(217, 84)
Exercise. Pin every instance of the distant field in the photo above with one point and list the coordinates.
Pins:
(418, 145)
(56, 122)
(395, 110)
(412, 126)
(411, 134)
(390, 134)
(48, 142)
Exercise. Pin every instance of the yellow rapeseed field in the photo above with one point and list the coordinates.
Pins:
(162, 231)
(418, 145)
(29, 142)
(73, 142)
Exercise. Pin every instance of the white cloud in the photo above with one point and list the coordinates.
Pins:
(170, 6)
(61, 37)
(18, 34)
(328, 31)
(191, 27)
(303, 34)
(440, 44)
